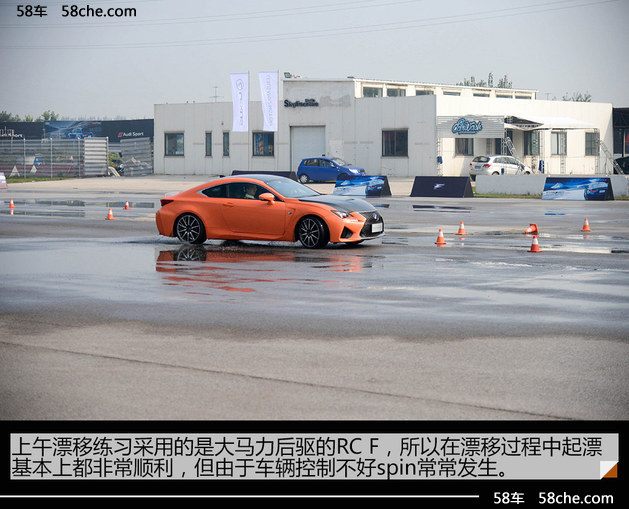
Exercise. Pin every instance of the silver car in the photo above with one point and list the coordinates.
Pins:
(497, 165)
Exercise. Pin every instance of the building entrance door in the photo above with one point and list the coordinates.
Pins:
(306, 142)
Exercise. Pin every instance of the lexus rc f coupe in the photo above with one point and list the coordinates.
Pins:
(267, 208)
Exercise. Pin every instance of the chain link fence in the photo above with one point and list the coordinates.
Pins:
(54, 158)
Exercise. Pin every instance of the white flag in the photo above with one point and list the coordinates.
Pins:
(240, 97)
(270, 98)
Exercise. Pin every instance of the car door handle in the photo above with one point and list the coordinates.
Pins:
(228, 204)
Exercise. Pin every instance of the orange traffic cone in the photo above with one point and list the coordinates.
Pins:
(126, 206)
(110, 215)
(532, 229)
(440, 240)
(586, 226)
(11, 206)
(461, 229)
(535, 246)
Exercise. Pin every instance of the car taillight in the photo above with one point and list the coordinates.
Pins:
(166, 201)
(486, 165)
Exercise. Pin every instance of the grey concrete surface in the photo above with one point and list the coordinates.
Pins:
(107, 320)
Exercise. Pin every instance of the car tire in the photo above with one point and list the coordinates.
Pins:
(495, 173)
(304, 179)
(343, 176)
(313, 233)
(190, 230)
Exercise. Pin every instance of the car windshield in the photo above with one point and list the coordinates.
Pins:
(339, 161)
(291, 189)
(481, 159)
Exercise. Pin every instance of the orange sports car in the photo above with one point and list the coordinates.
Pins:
(266, 207)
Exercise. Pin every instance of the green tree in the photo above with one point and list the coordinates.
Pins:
(502, 83)
(5, 116)
(48, 115)
(578, 97)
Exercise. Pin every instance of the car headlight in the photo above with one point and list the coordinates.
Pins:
(353, 170)
(344, 215)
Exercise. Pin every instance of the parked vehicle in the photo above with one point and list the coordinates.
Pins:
(497, 165)
(623, 163)
(326, 169)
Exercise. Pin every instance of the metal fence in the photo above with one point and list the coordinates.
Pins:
(54, 158)
(136, 155)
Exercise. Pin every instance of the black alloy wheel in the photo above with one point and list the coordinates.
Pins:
(313, 233)
(189, 229)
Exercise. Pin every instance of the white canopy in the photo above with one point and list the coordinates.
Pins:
(533, 122)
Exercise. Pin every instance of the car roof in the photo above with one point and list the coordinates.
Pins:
(262, 177)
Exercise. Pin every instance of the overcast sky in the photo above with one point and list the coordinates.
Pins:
(183, 51)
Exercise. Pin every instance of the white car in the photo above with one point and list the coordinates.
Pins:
(498, 165)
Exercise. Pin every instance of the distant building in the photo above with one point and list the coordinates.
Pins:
(390, 128)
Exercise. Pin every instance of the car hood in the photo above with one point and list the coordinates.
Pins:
(344, 203)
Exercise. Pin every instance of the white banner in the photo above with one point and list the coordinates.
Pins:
(240, 97)
(270, 98)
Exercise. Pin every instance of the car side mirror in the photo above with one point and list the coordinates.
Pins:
(267, 197)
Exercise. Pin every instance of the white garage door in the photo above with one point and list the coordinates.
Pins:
(306, 142)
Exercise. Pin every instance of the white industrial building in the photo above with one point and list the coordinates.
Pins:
(398, 129)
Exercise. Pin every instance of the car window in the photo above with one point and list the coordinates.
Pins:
(219, 191)
(290, 188)
(244, 191)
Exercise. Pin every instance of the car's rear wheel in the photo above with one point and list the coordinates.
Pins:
(313, 233)
(189, 229)
(304, 179)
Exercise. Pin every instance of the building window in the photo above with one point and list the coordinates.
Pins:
(451, 92)
(493, 146)
(372, 92)
(263, 144)
(395, 143)
(396, 92)
(558, 141)
(591, 144)
(226, 144)
(531, 143)
(464, 147)
(420, 91)
(208, 144)
(173, 144)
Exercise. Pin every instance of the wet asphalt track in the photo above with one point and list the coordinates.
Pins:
(108, 320)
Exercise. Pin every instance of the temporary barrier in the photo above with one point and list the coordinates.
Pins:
(377, 185)
(442, 187)
(578, 188)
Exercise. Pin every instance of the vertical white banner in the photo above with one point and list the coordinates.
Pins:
(240, 97)
(270, 98)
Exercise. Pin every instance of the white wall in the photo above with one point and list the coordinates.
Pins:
(353, 131)
(597, 114)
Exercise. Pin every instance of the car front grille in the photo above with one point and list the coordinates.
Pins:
(371, 218)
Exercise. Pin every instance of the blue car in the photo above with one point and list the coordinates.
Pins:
(597, 190)
(326, 169)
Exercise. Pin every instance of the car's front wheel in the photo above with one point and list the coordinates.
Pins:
(343, 176)
(304, 179)
(313, 233)
(189, 229)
